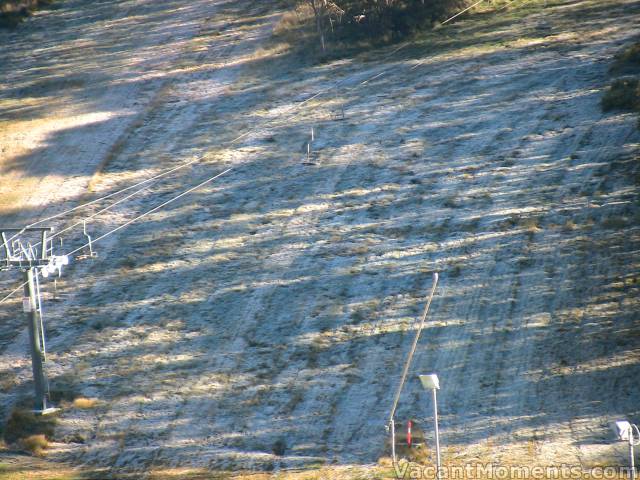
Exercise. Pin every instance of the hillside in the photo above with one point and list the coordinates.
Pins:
(262, 321)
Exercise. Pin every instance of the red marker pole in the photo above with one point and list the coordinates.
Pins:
(409, 433)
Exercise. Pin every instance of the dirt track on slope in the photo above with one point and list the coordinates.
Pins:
(277, 304)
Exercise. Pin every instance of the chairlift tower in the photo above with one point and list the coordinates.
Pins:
(19, 253)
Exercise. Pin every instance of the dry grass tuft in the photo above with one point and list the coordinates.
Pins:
(569, 226)
(85, 403)
(34, 444)
(531, 225)
(293, 22)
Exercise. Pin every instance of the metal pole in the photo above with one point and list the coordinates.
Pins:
(393, 440)
(631, 459)
(435, 421)
(31, 309)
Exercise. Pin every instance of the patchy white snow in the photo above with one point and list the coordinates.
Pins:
(279, 302)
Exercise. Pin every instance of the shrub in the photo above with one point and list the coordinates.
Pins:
(628, 60)
(34, 444)
(23, 424)
(279, 447)
(623, 94)
(393, 19)
(353, 21)
(615, 222)
(13, 19)
(13, 12)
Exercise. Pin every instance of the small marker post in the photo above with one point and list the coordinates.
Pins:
(393, 440)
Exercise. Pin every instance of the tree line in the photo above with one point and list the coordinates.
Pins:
(377, 19)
